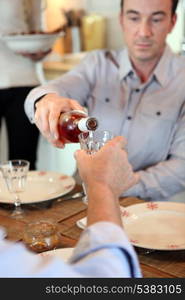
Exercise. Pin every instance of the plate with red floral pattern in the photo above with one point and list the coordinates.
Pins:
(40, 186)
(156, 225)
(153, 225)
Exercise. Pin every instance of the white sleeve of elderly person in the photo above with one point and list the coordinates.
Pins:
(136, 92)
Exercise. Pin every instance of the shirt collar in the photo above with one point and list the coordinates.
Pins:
(161, 72)
(125, 65)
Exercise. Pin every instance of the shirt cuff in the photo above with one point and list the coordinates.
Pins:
(31, 99)
(135, 191)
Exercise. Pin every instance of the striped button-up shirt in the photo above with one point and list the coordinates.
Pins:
(151, 116)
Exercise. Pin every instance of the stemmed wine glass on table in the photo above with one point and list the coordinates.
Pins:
(91, 142)
(15, 174)
(40, 235)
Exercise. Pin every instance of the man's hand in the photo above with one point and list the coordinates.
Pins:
(48, 110)
(108, 167)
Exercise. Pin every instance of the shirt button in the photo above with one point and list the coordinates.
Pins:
(107, 100)
(137, 90)
(129, 118)
(158, 113)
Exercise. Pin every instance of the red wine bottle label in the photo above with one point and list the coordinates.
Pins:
(82, 124)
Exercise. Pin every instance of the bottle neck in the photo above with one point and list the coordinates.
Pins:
(87, 124)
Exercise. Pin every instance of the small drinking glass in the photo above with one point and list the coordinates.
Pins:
(15, 174)
(91, 142)
(42, 235)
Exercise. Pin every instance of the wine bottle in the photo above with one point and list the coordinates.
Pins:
(72, 123)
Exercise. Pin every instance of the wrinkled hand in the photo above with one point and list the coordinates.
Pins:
(35, 56)
(109, 167)
(48, 110)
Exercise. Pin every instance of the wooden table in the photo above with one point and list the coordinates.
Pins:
(159, 264)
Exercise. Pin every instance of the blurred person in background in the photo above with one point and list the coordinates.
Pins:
(137, 92)
(103, 249)
(18, 76)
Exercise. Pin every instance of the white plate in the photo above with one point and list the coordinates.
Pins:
(154, 225)
(63, 254)
(40, 186)
(31, 43)
(82, 222)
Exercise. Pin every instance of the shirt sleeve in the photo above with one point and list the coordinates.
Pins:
(103, 251)
(105, 244)
(75, 84)
(166, 178)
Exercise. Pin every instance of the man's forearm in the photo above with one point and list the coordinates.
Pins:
(103, 205)
(161, 181)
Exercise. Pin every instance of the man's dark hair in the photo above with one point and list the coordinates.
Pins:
(174, 5)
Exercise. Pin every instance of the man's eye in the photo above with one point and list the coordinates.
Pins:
(156, 20)
(134, 19)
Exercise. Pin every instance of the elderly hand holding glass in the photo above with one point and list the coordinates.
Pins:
(91, 142)
(118, 160)
(107, 172)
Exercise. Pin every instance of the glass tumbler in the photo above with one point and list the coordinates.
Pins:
(41, 236)
(91, 142)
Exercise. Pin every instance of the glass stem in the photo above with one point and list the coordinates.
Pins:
(17, 201)
(17, 212)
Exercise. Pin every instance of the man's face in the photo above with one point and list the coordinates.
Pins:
(145, 24)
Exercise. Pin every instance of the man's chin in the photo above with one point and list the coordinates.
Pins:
(144, 56)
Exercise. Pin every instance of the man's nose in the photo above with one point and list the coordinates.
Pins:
(145, 29)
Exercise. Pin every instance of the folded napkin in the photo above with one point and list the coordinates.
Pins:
(82, 222)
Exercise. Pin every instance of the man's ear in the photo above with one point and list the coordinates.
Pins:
(121, 18)
(173, 22)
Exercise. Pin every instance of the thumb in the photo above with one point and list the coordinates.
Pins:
(79, 154)
(76, 154)
(118, 141)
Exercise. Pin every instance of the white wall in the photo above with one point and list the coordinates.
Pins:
(50, 158)
(176, 37)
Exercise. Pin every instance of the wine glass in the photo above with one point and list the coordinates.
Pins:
(15, 174)
(91, 142)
